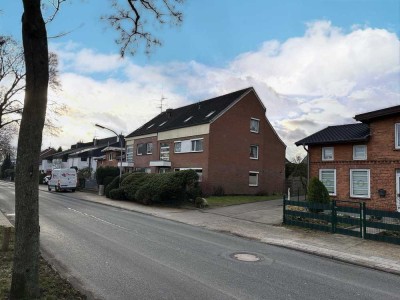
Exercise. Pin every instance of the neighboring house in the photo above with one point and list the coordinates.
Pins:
(227, 140)
(45, 160)
(361, 161)
(112, 158)
(83, 155)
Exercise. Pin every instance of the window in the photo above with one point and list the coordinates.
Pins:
(359, 183)
(360, 152)
(397, 135)
(162, 123)
(150, 126)
(149, 148)
(254, 152)
(141, 149)
(253, 178)
(328, 178)
(327, 153)
(110, 156)
(178, 147)
(164, 151)
(197, 145)
(254, 125)
(129, 153)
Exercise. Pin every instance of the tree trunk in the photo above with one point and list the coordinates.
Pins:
(25, 275)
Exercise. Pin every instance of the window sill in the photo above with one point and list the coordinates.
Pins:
(254, 158)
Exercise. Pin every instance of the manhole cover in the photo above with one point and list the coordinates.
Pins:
(246, 257)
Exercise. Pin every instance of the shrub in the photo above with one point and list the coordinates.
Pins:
(114, 184)
(317, 193)
(41, 177)
(103, 172)
(132, 183)
(117, 194)
(168, 187)
(108, 179)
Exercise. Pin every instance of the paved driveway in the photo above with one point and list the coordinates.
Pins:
(266, 212)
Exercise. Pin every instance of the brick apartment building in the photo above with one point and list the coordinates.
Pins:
(227, 140)
(360, 161)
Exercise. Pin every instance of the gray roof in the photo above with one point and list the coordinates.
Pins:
(340, 134)
(378, 114)
(194, 114)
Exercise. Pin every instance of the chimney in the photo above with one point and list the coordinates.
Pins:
(169, 112)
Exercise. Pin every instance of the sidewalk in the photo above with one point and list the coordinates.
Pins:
(261, 221)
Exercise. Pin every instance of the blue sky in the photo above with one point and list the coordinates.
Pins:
(313, 63)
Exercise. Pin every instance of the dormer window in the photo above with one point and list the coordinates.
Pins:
(162, 123)
(327, 153)
(187, 119)
(150, 126)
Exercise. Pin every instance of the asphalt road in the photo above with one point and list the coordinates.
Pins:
(118, 254)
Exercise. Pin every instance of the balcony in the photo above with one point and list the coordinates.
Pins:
(160, 163)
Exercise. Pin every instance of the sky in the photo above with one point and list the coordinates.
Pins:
(313, 63)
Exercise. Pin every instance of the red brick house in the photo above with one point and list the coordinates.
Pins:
(361, 161)
(227, 140)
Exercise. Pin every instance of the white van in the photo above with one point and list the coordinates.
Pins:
(63, 179)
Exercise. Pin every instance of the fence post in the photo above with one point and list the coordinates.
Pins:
(284, 209)
(333, 216)
(364, 220)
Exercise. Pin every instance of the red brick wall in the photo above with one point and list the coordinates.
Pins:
(230, 140)
(382, 161)
(109, 163)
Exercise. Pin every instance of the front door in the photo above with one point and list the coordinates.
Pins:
(398, 189)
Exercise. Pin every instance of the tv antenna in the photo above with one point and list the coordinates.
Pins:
(162, 102)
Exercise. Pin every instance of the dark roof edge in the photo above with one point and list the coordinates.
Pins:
(385, 112)
(362, 139)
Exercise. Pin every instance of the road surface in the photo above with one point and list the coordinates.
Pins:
(118, 254)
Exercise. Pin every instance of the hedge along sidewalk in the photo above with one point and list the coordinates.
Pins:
(6, 228)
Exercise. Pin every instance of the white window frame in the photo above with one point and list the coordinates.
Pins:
(258, 127)
(323, 153)
(257, 149)
(193, 143)
(137, 149)
(257, 176)
(365, 152)
(351, 183)
(397, 136)
(110, 156)
(149, 148)
(334, 179)
(180, 146)
(129, 153)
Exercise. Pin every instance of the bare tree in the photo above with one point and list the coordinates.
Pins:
(127, 20)
(12, 84)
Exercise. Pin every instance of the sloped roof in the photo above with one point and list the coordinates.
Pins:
(377, 114)
(198, 113)
(339, 134)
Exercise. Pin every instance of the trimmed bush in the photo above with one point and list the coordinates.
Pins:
(107, 180)
(114, 184)
(103, 172)
(132, 183)
(167, 187)
(117, 194)
(317, 193)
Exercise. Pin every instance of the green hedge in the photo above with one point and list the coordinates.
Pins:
(114, 184)
(103, 172)
(173, 187)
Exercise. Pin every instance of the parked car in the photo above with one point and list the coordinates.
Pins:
(46, 179)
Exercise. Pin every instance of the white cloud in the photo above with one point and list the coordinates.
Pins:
(322, 78)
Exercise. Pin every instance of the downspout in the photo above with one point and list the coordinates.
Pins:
(308, 163)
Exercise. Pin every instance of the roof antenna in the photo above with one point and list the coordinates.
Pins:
(161, 102)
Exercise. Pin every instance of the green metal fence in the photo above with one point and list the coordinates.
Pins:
(344, 217)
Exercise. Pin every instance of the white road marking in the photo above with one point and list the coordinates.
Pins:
(96, 218)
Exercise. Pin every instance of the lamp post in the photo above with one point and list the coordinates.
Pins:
(120, 143)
